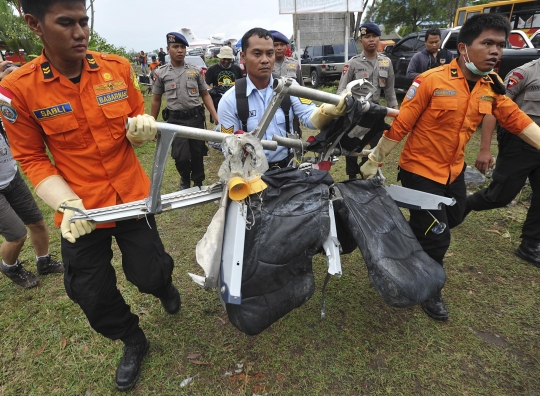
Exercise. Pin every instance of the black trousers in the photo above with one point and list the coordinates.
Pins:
(188, 154)
(90, 279)
(352, 168)
(516, 161)
(436, 245)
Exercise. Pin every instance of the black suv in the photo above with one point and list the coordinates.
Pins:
(325, 62)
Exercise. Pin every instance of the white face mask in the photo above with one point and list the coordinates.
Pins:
(472, 67)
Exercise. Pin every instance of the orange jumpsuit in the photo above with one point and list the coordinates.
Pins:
(440, 114)
(83, 125)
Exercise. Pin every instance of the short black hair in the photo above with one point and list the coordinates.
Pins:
(39, 8)
(432, 32)
(262, 33)
(475, 25)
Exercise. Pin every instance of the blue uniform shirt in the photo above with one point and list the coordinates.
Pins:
(258, 101)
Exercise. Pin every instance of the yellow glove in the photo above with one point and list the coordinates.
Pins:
(141, 129)
(55, 191)
(376, 158)
(72, 231)
(531, 135)
(326, 112)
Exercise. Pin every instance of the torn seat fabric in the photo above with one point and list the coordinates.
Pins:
(287, 225)
(399, 269)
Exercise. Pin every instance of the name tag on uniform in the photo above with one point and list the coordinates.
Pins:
(444, 92)
(487, 98)
(53, 111)
(112, 97)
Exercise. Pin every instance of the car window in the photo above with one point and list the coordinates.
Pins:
(451, 44)
(309, 52)
(420, 43)
(536, 41)
(317, 50)
(406, 45)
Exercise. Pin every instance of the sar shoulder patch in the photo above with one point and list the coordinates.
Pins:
(345, 68)
(9, 113)
(411, 92)
(135, 80)
(305, 101)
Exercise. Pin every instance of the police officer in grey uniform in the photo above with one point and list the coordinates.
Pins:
(286, 67)
(516, 161)
(182, 85)
(377, 69)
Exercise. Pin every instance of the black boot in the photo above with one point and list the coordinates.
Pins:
(184, 184)
(528, 251)
(46, 265)
(435, 307)
(171, 302)
(129, 370)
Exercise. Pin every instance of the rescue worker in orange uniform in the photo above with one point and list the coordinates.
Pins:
(75, 103)
(440, 112)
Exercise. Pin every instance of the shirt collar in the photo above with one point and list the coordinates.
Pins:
(250, 86)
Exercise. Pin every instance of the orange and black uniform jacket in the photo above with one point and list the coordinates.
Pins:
(440, 114)
(83, 125)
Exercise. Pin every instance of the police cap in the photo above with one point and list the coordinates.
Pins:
(280, 37)
(367, 28)
(175, 37)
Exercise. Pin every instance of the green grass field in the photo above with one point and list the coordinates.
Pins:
(363, 347)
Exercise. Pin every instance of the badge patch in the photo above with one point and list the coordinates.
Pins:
(53, 111)
(107, 76)
(9, 113)
(112, 97)
(518, 75)
(110, 86)
(487, 98)
(416, 83)
(253, 113)
(511, 82)
(135, 80)
(345, 68)
(444, 92)
(410, 93)
(454, 72)
(442, 61)
(383, 62)
(227, 130)
(193, 91)
(305, 101)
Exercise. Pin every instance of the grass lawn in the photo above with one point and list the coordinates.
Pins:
(488, 347)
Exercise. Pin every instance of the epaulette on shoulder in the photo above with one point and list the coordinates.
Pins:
(22, 71)
(437, 69)
(354, 57)
(100, 57)
(162, 66)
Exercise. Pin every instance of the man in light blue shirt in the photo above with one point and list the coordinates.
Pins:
(258, 56)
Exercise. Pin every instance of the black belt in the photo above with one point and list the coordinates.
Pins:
(185, 114)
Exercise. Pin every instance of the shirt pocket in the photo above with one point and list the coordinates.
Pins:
(63, 132)
(383, 76)
(442, 111)
(485, 107)
(531, 103)
(192, 88)
(116, 115)
(170, 90)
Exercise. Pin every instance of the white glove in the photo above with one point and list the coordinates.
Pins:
(72, 231)
(141, 129)
(56, 192)
(326, 112)
(376, 158)
(531, 135)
